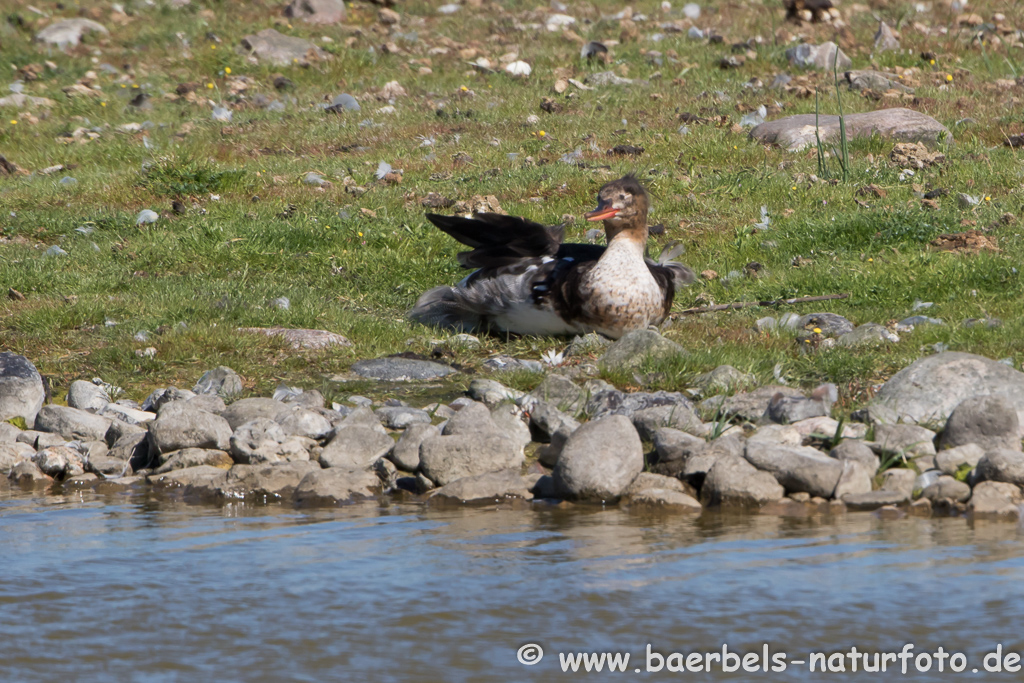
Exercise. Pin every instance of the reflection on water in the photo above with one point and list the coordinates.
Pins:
(95, 589)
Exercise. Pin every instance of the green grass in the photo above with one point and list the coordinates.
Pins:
(354, 263)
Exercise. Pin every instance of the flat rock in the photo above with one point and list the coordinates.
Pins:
(905, 125)
(21, 388)
(866, 335)
(401, 417)
(614, 402)
(301, 339)
(664, 499)
(87, 396)
(797, 468)
(733, 482)
(72, 423)
(187, 427)
(401, 369)
(636, 347)
(784, 409)
(599, 460)
(68, 32)
(331, 487)
(444, 459)
(276, 49)
(821, 57)
(316, 11)
(300, 421)
(221, 381)
(830, 324)
(188, 476)
(995, 499)
(650, 480)
(356, 447)
(1002, 465)
(492, 392)
(22, 101)
(193, 457)
(988, 421)
(872, 500)
(490, 487)
(951, 460)
(126, 414)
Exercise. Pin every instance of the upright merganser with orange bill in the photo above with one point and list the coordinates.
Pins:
(528, 282)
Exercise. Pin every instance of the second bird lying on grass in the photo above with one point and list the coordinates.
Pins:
(528, 282)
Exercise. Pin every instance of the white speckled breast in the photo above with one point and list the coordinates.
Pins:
(621, 293)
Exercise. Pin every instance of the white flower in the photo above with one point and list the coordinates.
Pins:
(553, 358)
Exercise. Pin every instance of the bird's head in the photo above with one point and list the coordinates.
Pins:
(622, 204)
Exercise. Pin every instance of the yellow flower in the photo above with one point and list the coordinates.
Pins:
(123, 85)
(14, 122)
(210, 86)
(988, 199)
(541, 133)
(227, 69)
(360, 234)
(464, 89)
(816, 330)
(932, 62)
(135, 85)
(735, 147)
(949, 77)
(793, 188)
(871, 260)
(103, 104)
(213, 47)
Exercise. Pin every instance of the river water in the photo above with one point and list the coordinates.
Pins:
(135, 589)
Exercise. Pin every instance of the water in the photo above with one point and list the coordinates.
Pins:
(114, 589)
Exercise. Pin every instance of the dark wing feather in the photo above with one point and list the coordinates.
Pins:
(498, 240)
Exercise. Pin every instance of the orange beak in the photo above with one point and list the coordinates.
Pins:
(600, 214)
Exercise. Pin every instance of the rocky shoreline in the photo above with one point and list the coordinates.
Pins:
(942, 436)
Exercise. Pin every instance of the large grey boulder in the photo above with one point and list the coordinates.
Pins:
(472, 418)
(599, 460)
(276, 49)
(68, 32)
(988, 421)
(1002, 465)
(8, 432)
(673, 449)
(444, 459)
(221, 381)
(995, 499)
(697, 466)
(72, 423)
(27, 475)
(316, 11)
(911, 396)
(401, 417)
(361, 417)
(856, 478)
(794, 133)
(13, 453)
(21, 388)
(490, 487)
(636, 347)
(331, 487)
(160, 397)
(262, 441)
(133, 416)
(87, 396)
(181, 427)
(300, 421)
(734, 482)
(900, 480)
(406, 453)
(356, 447)
(59, 461)
(784, 409)
(797, 468)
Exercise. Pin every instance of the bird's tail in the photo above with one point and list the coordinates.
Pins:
(444, 307)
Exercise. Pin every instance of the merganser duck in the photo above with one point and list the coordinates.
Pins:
(528, 282)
